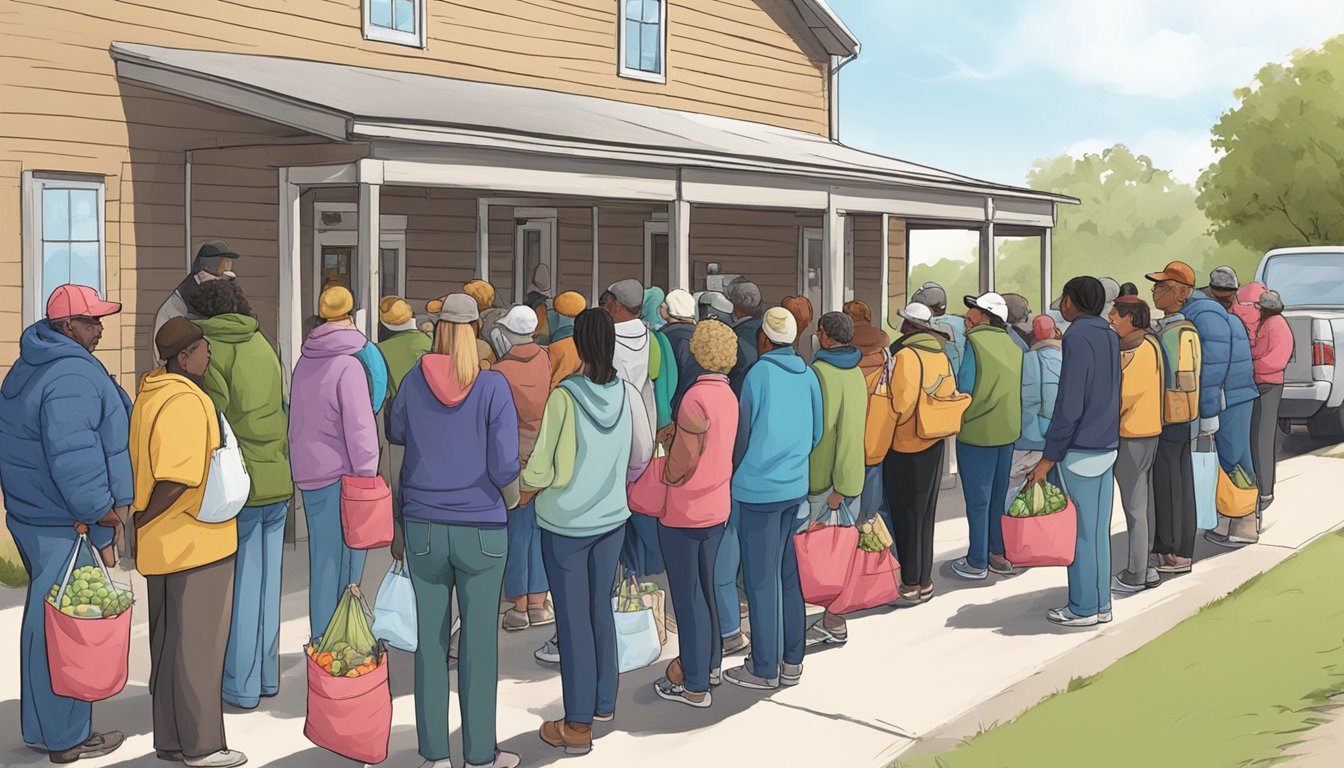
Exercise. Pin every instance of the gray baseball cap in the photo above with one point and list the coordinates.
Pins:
(629, 292)
(459, 308)
(744, 295)
(1270, 300)
(1224, 279)
(931, 294)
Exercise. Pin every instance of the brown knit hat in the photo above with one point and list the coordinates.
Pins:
(176, 335)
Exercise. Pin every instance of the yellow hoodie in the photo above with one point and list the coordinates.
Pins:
(174, 431)
(1141, 390)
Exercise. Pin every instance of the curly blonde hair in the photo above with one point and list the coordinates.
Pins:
(714, 346)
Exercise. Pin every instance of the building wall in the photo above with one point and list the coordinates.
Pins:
(867, 270)
(898, 269)
(760, 245)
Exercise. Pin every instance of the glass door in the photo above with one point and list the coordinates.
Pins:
(811, 258)
(535, 244)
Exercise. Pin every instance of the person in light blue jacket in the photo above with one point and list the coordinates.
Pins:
(779, 425)
(1040, 387)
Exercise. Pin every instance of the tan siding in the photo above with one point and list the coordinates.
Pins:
(868, 261)
(440, 240)
(897, 272)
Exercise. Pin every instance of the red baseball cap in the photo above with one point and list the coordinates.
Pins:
(71, 300)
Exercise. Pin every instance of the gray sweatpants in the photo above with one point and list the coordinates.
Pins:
(1134, 474)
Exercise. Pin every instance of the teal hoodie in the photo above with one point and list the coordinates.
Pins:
(780, 423)
(586, 432)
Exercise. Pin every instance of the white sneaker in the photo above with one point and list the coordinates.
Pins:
(444, 763)
(1066, 618)
(502, 760)
(548, 653)
(790, 674)
(224, 758)
(963, 568)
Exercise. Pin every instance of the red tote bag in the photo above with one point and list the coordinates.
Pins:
(351, 716)
(1042, 540)
(366, 512)
(874, 580)
(648, 494)
(87, 658)
(825, 553)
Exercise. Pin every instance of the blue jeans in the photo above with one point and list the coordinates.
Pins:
(1090, 574)
(689, 554)
(524, 573)
(874, 498)
(1233, 438)
(774, 594)
(51, 723)
(332, 566)
(726, 566)
(984, 483)
(252, 661)
(582, 571)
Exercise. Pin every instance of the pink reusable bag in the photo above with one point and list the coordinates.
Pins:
(1041, 540)
(825, 553)
(648, 494)
(351, 716)
(87, 658)
(874, 579)
(366, 512)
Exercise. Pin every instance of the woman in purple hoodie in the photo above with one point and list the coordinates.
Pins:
(332, 434)
(460, 429)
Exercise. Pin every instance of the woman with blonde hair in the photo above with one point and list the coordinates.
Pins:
(455, 480)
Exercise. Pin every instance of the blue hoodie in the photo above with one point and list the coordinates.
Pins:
(1086, 416)
(779, 425)
(64, 431)
(1040, 387)
(461, 444)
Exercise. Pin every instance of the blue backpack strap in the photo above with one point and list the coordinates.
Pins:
(375, 373)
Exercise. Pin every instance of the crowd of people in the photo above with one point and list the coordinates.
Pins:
(510, 435)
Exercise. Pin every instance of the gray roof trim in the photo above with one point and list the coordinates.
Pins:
(834, 36)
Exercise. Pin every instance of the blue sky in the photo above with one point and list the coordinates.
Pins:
(984, 87)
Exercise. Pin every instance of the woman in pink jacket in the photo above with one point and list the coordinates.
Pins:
(698, 473)
(1271, 347)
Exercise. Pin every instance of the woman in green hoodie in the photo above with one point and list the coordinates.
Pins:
(586, 431)
(244, 381)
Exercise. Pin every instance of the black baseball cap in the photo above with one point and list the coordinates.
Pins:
(215, 249)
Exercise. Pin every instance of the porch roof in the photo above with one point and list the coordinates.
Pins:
(348, 103)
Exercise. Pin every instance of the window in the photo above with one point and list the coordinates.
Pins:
(62, 237)
(657, 264)
(395, 21)
(643, 36)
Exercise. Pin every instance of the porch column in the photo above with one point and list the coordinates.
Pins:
(592, 302)
(987, 248)
(885, 277)
(679, 243)
(1047, 289)
(369, 255)
(290, 318)
(483, 240)
(833, 266)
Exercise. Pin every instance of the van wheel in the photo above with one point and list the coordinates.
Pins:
(1327, 424)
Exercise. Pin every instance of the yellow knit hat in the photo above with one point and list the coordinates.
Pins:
(335, 302)
(570, 303)
(482, 292)
(386, 302)
(397, 314)
(434, 306)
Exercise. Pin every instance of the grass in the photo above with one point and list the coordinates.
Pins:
(1231, 686)
(11, 568)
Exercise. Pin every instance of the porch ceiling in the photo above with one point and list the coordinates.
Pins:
(347, 103)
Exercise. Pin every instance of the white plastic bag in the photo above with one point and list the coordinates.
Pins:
(637, 643)
(228, 485)
(394, 610)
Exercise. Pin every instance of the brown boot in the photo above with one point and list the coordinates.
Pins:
(674, 673)
(1244, 530)
(574, 738)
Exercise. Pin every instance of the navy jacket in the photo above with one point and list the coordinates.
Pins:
(1226, 374)
(1087, 408)
(688, 370)
(64, 433)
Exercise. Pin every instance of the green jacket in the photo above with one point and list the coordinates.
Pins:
(838, 460)
(401, 353)
(663, 371)
(994, 363)
(245, 382)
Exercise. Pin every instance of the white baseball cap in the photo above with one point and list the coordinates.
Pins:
(520, 320)
(990, 302)
(680, 304)
(918, 314)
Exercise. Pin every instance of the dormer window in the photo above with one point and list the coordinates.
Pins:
(643, 34)
(395, 21)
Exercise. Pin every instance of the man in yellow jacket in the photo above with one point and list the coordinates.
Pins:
(1141, 379)
(188, 564)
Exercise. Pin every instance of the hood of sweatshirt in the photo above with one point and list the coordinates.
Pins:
(785, 358)
(1251, 293)
(41, 345)
(332, 341)
(442, 379)
(160, 380)
(633, 335)
(229, 329)
(839, 357)
(601, 403)
(524, 352)
(924, 341)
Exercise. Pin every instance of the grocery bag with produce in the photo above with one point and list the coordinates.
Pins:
(1041, 527)
(651, 596)
(1236, 495)
(394, 617)
(637, 643)
(349, 701)
(88, 626)
(874, 576)
(825, 553)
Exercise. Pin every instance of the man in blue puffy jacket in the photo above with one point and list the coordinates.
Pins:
(64, 467)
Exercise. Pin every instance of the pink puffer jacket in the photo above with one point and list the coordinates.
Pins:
(1271, 340)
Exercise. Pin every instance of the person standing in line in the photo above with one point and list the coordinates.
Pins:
(836, 465)
(662, 362)
(651, 310)
(1040, 389)
(1019, 320)
(188, 563)
(1182, 401)
(678, 313)
(214, 261)
(910, 471)
(1083, 438)
(991, 371)
(460, 429)
(779, 426)
(403, 345)
(484, 294)
(593, 422)
(332, 434)
(1271, 349)
(801, 309)
(869, 339)
(64, 469)
(1141, 378)
(526, 367)
(245, 382)
(933, 296)
(564, 356)
(745, 320)
(698, 474)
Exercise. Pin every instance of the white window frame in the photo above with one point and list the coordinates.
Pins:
(547, 222)
(639, 74)
(34, 183)
(415, 39)
(392, 234)
(658, 225)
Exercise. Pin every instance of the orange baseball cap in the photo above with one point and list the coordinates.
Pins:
(1176, 272)
(71, 300)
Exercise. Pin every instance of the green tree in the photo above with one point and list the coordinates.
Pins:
(1278, 182)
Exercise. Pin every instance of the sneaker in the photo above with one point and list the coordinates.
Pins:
(670, 691)
(444, 763)
(908, 596)
(549, 652)
(743, 677)
(604, 717)
(224, 758)
(502, 760)
(926, 592)
(1105, 617)
(515, 621)
(1001, 566)
(790, 674)
(1244, 530)
(965, 570)
(1152, 578)
(736, 643)
(1174, 564)
(816, 636)
(1223, 541)
(1066, 618)
(504, 607)
(540, 617)
(716, 677)
(1121, 584)
(97, 745)
(574, 738)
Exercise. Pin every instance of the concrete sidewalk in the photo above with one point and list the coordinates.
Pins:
(978, 653)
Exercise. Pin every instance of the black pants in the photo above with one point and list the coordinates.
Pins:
(1265, 435)
(911, 482)
(1174, 493)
